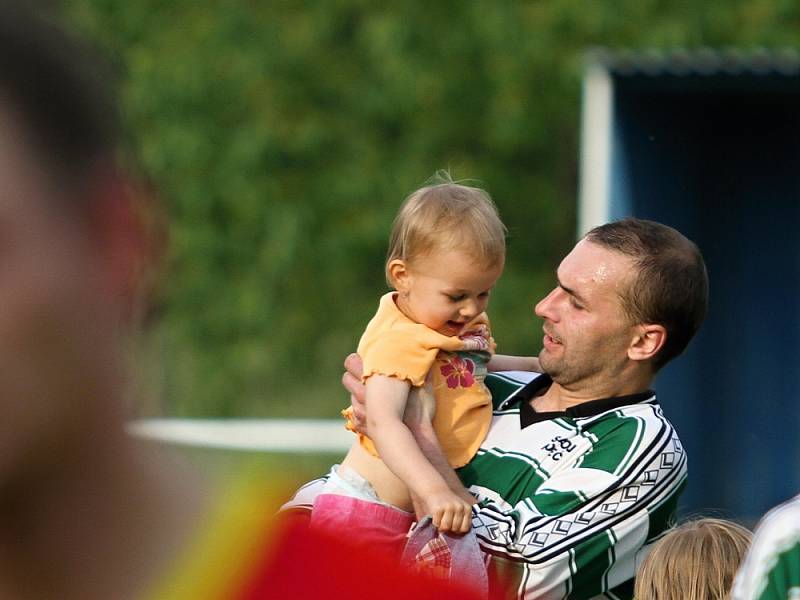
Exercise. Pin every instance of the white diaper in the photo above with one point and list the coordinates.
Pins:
(345, 481)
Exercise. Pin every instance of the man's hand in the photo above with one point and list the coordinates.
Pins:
(351, 380)
(421, 408)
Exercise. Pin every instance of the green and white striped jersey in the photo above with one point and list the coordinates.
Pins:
(771, 569)
(570, 502)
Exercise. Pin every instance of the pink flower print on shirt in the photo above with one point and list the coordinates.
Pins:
(458, 372)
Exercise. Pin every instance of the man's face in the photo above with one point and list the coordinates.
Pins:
(55, 321)
(586, 331)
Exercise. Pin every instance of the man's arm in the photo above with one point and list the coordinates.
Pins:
(503, 362)
(419, 415)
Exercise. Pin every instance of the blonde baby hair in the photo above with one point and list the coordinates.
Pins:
(696, 560)
(445, 215)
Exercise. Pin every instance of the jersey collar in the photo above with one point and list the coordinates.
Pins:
(529, 415)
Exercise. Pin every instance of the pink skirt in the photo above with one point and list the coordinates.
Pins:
(379, 527)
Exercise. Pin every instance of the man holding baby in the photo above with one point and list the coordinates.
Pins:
(580, 470)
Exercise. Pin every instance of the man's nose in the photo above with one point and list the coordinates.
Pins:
(544, 309)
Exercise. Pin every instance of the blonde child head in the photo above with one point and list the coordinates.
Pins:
(694, 561)
(447, 216)
(446, 251)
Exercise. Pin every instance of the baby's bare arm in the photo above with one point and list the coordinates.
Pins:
(386, 401)
(418, 417)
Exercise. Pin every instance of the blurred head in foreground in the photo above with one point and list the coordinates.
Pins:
(694, 561)
(71, 247)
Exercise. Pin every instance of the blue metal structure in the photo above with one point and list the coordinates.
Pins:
(709, 142)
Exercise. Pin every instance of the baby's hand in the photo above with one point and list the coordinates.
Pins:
(477, 338)
(449, 511)
(477, 330)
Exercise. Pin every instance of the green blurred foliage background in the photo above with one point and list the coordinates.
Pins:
(282, 136)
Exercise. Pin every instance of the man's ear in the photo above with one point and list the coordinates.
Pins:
(648, 339)
(399, 275)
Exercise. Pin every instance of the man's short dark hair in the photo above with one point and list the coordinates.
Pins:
(670, 287)
(59, 88)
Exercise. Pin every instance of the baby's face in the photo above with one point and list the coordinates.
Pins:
(446, 291)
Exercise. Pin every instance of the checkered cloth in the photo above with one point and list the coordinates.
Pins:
(435, 558)
(447, 556)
